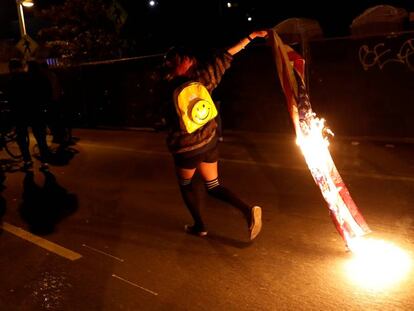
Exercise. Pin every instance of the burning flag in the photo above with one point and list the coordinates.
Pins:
(311, 137)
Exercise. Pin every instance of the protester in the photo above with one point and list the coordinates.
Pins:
(198, 150)
(54, 107)
(29, 94)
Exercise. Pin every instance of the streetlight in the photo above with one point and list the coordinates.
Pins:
(26, 3)
(20, 4)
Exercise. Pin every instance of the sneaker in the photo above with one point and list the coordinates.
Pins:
(192, 229)
(256, 222)
(44, 167)
(27, 166)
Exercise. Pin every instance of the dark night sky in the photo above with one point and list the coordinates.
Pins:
(206, 20)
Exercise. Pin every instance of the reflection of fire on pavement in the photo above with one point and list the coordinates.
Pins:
(377, 265)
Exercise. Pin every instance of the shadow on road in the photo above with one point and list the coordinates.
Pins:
(42, 208)
(60, 155)
(63, 155)
(228, 241)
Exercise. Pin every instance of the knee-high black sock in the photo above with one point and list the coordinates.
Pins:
(222, 193)
(192, 201)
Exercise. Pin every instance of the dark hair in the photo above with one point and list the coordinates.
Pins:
(172, 59)
(175, 54)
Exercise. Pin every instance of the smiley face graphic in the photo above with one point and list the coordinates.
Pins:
(201, 111)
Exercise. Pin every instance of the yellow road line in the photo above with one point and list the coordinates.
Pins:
(50, 246)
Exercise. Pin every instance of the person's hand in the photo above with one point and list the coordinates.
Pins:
(259, 33)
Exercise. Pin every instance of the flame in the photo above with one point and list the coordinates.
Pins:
(313, 141)
(376, 264)
(312, 138)
(314, 146)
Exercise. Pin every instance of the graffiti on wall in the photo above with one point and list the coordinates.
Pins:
(380, 55)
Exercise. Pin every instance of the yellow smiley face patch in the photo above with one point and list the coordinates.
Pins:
(194, 106)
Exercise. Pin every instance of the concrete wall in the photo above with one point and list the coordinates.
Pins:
(364, 86)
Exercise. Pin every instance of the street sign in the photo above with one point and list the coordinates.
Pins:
(27, 46)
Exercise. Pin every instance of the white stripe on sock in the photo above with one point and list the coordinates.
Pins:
(185, 182)
(212, 184)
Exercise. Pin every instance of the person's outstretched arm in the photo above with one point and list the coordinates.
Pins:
(245, 41)
(211, 74)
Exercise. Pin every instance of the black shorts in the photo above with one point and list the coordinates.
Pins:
(192, 161)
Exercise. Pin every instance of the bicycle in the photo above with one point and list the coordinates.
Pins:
(8, 140)
(9, 144)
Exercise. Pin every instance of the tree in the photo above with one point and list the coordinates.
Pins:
(83, 30)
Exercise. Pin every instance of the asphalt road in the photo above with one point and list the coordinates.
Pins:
(104, 230)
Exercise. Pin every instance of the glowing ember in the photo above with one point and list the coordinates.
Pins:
(376, 264)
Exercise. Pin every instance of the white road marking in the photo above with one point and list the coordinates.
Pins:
(136, 285)
(50, 246)
(103, 253)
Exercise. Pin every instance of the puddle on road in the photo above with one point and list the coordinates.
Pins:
(49, 290)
